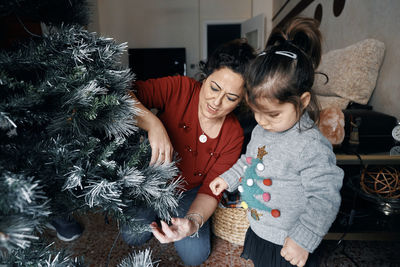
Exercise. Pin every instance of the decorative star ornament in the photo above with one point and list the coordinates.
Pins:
(261, 152)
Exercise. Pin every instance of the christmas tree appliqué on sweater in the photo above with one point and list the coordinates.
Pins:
(248, 187)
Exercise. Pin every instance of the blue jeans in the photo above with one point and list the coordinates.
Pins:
(192, 250)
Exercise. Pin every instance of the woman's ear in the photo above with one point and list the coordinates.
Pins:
(305, 99)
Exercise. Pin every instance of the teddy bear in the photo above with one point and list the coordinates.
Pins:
(331, 124)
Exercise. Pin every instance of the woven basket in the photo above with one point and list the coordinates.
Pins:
(230, 224)
(383, 181)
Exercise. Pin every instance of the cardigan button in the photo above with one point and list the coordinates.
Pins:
(184, 126)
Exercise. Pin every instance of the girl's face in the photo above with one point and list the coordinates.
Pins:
(277, 117)
(220, 93)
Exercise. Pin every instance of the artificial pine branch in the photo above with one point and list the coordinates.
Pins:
(39, 255)
(23, 211)
(138, 259)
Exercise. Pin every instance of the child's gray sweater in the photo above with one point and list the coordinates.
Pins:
(305, 184)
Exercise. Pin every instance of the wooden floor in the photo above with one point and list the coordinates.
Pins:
(99, 236)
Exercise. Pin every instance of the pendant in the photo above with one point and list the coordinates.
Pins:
(203, 138)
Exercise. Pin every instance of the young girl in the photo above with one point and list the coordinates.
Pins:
(288, 178)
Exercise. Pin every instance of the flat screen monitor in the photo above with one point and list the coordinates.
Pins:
(149, 63)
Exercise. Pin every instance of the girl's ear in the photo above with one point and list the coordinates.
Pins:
(305, 99)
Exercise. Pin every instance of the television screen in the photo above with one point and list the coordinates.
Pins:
(149, 63)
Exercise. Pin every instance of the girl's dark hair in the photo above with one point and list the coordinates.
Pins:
(276, 76)
(235, 55)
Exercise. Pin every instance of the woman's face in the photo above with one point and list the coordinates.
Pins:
(220, 93)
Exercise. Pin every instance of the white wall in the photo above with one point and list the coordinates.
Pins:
(151, 24)
(264, 7)
(179, 23)
(166, 23)
(359, 20)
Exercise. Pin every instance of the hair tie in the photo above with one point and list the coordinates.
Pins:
(287, 54)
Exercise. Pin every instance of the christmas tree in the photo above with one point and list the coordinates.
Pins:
(68, 140)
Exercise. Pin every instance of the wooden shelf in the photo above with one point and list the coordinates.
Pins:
(381, 236)
(344, 159)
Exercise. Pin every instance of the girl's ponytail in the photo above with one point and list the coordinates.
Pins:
(286, 68)
(302, 33)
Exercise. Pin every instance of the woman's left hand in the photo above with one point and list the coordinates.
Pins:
(180, 228)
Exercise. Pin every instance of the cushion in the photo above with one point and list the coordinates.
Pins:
(352, 71)
(332, 101)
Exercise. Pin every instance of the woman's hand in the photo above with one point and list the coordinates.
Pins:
(180, 228)
(218, 185)
(294, 253)
(161, 147)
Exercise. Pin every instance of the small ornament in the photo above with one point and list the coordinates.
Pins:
(203, 138)
(266, 197)
(244, 205)
(248, 160)
(260, 167)
(256, 216)
(267, 182)
(244, 168)
(275, 213)
(250, 182)
(261, 152)
(240, 188)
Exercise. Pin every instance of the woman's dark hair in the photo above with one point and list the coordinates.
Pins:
(235, 55)
(286, 68)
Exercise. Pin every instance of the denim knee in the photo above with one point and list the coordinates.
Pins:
(192, 255)
(194, 251)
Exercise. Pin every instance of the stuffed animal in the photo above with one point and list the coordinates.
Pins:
(331, 124)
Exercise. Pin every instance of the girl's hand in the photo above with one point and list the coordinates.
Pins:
(218, 185)
(294, 253)
(180, 228)
(161, 147)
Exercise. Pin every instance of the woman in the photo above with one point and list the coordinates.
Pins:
(195, 120)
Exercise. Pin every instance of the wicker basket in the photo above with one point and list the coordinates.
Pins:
(382, 181)
(230, 224)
